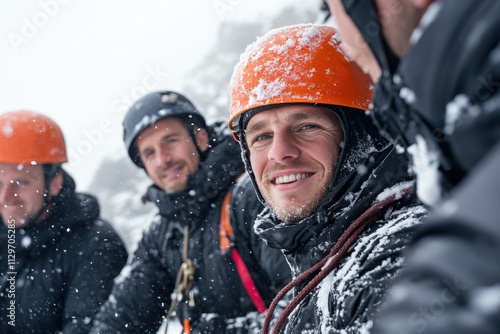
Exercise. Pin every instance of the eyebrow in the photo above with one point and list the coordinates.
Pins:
(258, 126)
(166, 137)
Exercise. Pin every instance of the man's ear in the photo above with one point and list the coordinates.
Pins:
(56, 184)
(202, 139)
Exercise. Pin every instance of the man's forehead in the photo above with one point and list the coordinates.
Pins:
(163, 127)
(19, 169)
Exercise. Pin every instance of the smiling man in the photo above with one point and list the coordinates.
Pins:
(169, 153)
(338, 199)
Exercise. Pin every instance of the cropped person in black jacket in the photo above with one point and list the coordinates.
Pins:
(338, 198)
(58, 259)
(194, 167)
(438, 97)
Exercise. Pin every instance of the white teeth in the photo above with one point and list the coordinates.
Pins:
(291, 178)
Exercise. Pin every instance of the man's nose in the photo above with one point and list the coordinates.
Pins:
(7, 193)
(164, 157)
(284, 147)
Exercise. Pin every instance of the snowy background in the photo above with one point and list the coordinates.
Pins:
(84, 62)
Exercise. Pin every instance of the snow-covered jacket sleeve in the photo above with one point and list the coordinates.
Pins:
(141, 293)
(452, 280)
(363, 279)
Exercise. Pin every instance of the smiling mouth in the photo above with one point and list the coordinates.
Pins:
(172, 171)
(291, 178)
(11, 206)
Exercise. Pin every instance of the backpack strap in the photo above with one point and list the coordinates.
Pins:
(226, 242)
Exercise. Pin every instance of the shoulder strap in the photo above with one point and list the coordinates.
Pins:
(226, 233)
(226, 236)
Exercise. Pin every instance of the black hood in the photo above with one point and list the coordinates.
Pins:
(215, 175)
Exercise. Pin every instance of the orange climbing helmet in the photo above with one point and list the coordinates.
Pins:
(296, 64)
(28, 137)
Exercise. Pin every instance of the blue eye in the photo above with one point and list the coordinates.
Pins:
(309, 126)
(261, 138)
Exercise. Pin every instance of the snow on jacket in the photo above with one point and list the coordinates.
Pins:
(369, 171)
(142, 298)
(64, 269)
(452, 281)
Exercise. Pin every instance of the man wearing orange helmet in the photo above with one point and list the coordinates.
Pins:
(339, 201)
(58, 259)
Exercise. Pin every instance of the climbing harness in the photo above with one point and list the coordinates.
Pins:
(183, 284)
(185, 276)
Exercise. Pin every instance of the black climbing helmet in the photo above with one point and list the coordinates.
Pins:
(154, 107)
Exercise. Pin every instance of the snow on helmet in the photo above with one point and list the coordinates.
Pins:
(296, 64)
(152, 108)
(28, 137)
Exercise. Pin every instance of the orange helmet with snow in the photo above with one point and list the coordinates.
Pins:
(296, 64)
(28, 137)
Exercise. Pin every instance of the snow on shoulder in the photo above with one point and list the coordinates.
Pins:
(397, 190)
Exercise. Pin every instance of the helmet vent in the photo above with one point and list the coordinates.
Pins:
(169, 98)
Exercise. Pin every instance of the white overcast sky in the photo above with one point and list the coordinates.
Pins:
(82, 62)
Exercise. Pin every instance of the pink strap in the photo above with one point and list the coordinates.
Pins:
(248, 282)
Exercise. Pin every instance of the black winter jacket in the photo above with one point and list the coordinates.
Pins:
(369, 171)
(64, 268)
(142, 298)
(452, 281)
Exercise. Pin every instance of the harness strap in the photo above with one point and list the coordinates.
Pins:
(226, 242)
(183, 284)
(226, 232)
